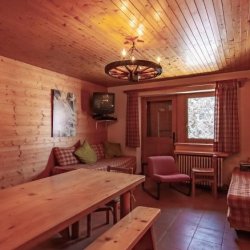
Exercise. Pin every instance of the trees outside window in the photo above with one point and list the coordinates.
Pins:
(200, 118)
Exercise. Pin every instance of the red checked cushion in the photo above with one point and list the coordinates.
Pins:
(65, 156)
(99, 150)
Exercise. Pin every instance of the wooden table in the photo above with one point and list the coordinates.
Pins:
(35, 211)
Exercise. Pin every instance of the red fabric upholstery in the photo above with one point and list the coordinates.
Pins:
(171, 178)
(99, 150)
(65, 156)
(226, 117)
(164, 169)
(161, 165)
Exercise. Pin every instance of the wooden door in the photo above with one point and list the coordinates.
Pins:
(158, 126)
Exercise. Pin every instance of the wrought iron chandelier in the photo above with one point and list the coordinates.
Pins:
(132, 69)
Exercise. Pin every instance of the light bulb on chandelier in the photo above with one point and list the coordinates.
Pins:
(133, 69)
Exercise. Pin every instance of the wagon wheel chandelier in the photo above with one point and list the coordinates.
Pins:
(132, 69)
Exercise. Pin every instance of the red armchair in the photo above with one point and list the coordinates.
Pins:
(162, 169)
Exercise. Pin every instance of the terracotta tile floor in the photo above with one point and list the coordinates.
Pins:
(185, 223)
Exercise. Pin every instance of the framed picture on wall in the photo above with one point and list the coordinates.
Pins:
(64, 117)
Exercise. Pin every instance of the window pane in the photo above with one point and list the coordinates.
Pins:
(201, 118)
(159, 118)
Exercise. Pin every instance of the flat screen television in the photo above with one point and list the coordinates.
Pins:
(103, 104)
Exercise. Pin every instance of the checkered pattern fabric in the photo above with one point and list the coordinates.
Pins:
(239, 191)
(123, 162)
(238, 199)
(226, 117)
(239, 219)
(132, 121)
(65, 156)
(99, 150)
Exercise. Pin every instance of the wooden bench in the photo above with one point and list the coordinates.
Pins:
(134, 231)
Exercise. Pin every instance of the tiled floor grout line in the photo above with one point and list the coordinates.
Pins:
(201, 226)
(166, 231)
(194, 231)
(224, 231)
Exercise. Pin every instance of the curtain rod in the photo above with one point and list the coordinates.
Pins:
(179, 86)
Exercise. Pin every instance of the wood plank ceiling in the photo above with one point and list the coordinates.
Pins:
(78, 38)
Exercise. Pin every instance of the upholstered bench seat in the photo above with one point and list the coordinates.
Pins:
(101, 164)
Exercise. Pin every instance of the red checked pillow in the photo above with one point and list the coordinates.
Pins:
(99, 150)
(65, 156)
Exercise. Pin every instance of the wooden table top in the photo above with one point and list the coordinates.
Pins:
(35, 211)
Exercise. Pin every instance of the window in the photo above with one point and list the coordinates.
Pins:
(159, 118)
(200, 118)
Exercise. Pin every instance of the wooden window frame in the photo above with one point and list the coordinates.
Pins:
(195, 95)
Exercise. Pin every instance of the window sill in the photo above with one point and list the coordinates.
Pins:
(194, 147)
(197, 149)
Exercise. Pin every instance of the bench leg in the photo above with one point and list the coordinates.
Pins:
(125, 204)
(146, 242)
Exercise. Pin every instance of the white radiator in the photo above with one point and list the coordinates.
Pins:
(187, 161)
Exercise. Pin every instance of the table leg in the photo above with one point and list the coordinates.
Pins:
(125, 207)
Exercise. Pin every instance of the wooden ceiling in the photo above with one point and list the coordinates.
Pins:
(78, 38)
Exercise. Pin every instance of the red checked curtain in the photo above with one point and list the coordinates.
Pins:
(226, 134)
(132, 121)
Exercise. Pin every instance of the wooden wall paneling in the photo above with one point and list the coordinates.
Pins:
(153, 30)
(65, 20)
(206, 40)
(175, 20)
(24, 140)
(25, 124)
(196, 31)
(236, 28)
(78, 38)
(212, 18)
(223, 31)
(195, 56)
(242, 33)
(162, 22)
(129, 20)
(232, 13)
(86, 102)
(192, 55)
(74, 20)
(209, 39)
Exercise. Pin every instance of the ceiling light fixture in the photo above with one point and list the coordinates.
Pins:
(132, 69)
